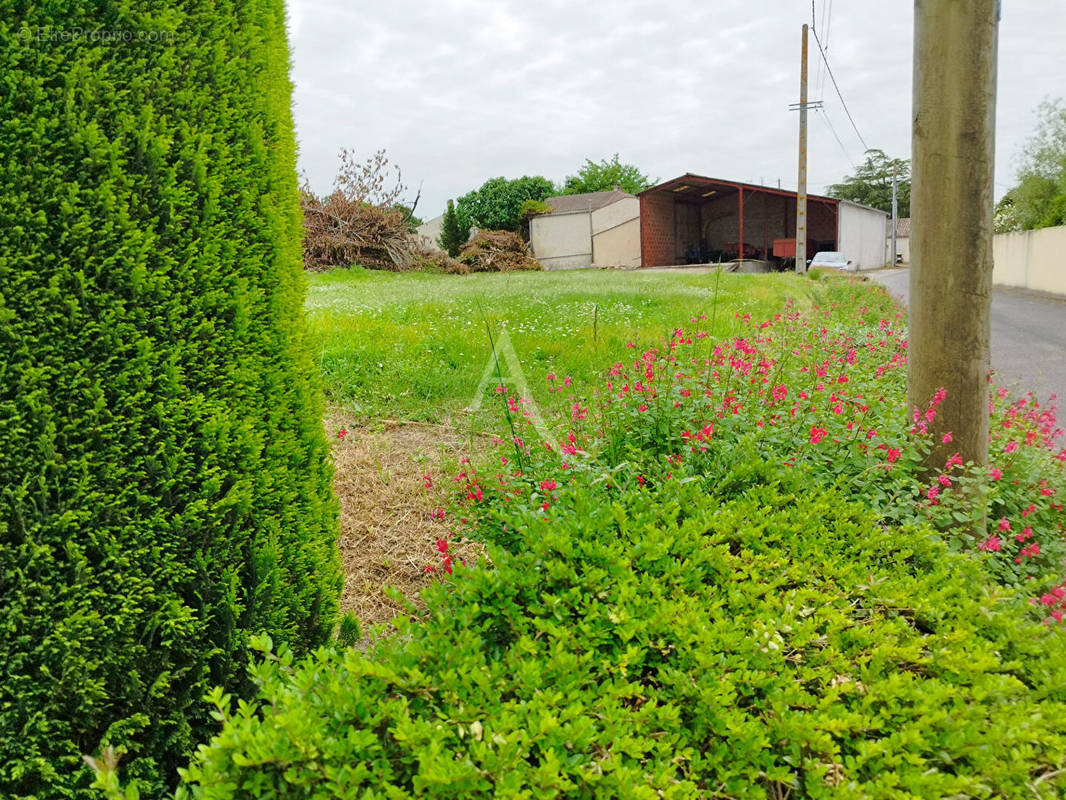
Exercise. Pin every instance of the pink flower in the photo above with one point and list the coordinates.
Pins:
(944, 480)
(1004, 524)
(427, 481)
(992, 544)
(817, 434)
(933, 493)
(892, 454)
(548, 485)
(1011, 447)
(946, 438)
(342, 433)
(954, 461)
(995, 473)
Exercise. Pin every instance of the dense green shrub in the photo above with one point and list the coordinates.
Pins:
(496, 204)
(454, 233)
(164, 483)
(646, 643)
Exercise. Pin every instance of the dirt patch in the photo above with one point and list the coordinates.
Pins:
(392, 481)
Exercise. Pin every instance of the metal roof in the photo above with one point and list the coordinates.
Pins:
(695, 187)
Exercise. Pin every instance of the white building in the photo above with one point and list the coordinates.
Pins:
(600, 229)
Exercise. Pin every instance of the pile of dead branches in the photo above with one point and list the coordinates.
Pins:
(339, 232)
(363, 222)
(497, 251)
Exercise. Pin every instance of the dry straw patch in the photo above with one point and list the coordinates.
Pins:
(388, 528)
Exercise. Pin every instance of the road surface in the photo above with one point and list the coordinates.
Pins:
(1028, 337)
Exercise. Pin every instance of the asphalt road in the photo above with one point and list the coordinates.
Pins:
(1028, 336)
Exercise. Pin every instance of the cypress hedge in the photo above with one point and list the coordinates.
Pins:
(164, 476)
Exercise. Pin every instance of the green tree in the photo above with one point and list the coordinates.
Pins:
(496, 205)
(454, 231)
(871, 184)
(409, 217)
(164, 475)
(1039, 199)
(604, 175)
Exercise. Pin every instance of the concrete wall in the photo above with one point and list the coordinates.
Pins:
(618, 246)
(429, 231)
(562, 241)
(861, 235)
(608, 237)
(1031, 260)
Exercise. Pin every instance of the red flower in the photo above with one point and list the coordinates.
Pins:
(342, 433)
(817, 434)
(992, 544)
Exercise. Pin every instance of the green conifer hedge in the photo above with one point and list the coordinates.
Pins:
(164, 479)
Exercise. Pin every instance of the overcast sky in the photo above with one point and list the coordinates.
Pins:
(459, 91)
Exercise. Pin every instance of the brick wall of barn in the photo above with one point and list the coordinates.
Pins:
(657, 234)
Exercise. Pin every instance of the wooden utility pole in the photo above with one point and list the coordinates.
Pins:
(801, 189)
(951, 212)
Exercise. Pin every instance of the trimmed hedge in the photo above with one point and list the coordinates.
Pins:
(666, 644)
(164, 478)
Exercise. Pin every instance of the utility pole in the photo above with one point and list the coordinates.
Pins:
(895, 218)
(801, 190)
(951, 208)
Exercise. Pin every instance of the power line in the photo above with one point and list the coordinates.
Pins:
(832, 77)
(833, 130)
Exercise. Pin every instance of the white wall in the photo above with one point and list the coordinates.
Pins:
(861, 235)
(1031, 259)
(616, 234)
(429, 231)
(609, 236)
(562, 241)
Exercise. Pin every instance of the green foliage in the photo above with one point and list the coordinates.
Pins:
(496, 205)
(1039, 199)
(871, 184)
(665, 643)
(602, 176)
(164, 479)
(409, 216)
(454, 231)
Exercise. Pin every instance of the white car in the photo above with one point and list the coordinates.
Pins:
(829, 258)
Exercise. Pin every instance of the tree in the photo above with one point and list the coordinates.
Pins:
(165, 475)
(408, 214)
(454, 231)
(871, 184)
(1039, 199)
(497, 203)
(604, 175)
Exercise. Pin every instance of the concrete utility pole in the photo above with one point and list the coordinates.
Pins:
(801, 191)
(895, 219)
(951, 209)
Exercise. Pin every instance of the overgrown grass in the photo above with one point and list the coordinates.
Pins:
(413, 346)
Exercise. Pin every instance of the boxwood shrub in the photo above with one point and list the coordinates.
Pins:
(664, 643)
(164, 485)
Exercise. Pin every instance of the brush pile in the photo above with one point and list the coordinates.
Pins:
(497, 251)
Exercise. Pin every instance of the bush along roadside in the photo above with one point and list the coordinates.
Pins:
(657, 642)
(698, 597)
(824, 392)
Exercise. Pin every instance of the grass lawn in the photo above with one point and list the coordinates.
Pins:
(413, 346)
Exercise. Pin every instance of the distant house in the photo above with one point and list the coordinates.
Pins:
(429, 232)
(903, 238)
(600, 229)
